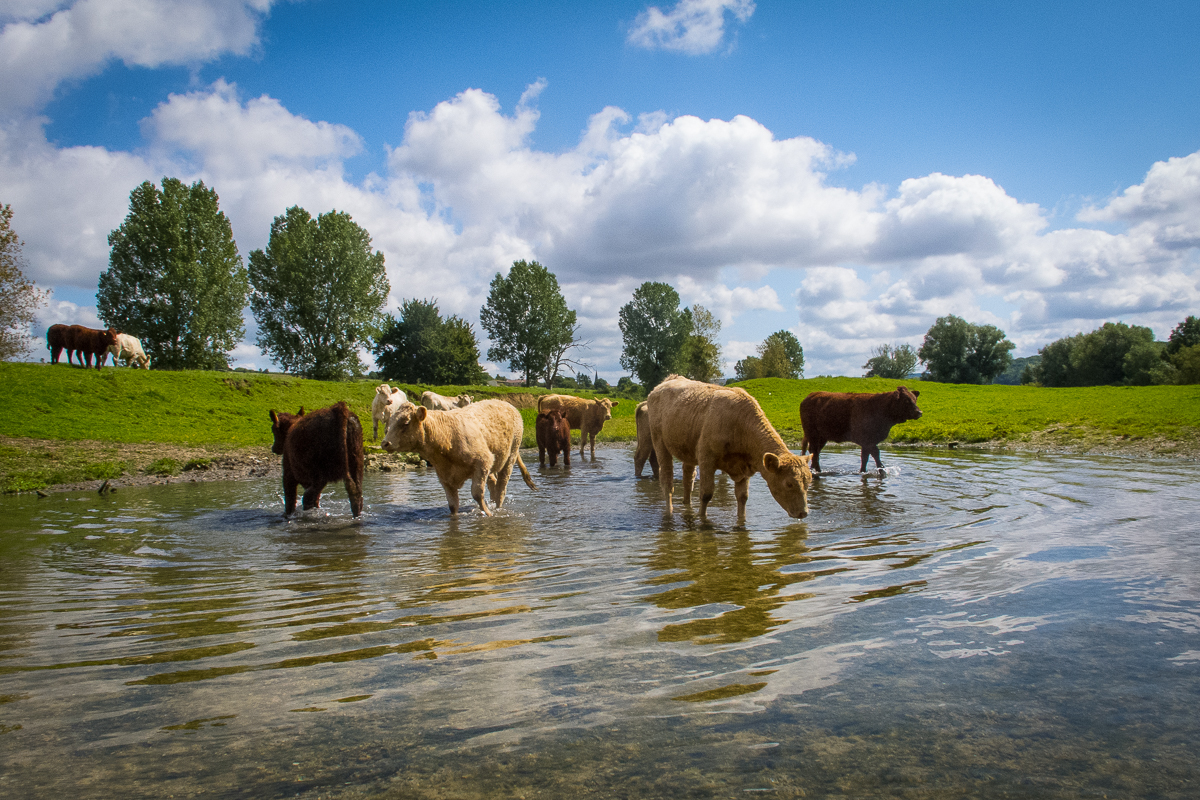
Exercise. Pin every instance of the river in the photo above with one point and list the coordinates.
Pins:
(961, 624)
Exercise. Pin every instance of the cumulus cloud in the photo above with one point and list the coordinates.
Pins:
(37, 53)
(694, 27)
(692, 202)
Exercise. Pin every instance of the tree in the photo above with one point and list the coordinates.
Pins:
(957, 351)
(782, 356)
(318, 293)
(1114, 353)
(779, 356)
(654, 330)
(19, 298)
(175, 278)
(893, 362)
(529, 323)
(1185, 334)
(700, 356)
(422, 347)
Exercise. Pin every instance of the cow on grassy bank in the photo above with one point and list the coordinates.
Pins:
(645, 444)
(57, 341)
(437, 402)
(865, 419)
(129, 349)
(85, 343)
(318, 448)
(385, 403)
(722, 428)
(480, 443)
(553, 434)
(586, 416)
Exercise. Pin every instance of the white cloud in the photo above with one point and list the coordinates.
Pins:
(684, 200)
(694, 27)
(36, 54)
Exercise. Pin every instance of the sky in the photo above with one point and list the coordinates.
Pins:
(848, 171)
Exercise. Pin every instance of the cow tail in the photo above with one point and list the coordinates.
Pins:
(525, 472)
(353, 436)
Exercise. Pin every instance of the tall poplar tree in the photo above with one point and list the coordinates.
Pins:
(175, 278)
(318, 293)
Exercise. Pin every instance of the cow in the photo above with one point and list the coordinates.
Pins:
(129, 349)
(480, 443)
(436, 402)
(865, 419)
(387, 400)
(553, 434)
(645, 444)
(88, 342)
(722, 428)
(57, 341)
(318, 448)
(586, 416)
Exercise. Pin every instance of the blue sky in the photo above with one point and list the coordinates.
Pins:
(848, 171)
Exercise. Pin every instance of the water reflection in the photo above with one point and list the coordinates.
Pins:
(966, 619)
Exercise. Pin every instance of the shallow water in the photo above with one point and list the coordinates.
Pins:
(960, 625)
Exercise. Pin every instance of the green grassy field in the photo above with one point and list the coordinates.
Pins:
(230, 410)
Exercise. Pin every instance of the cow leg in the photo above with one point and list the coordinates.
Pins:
(451, 497)
(582, 442)
(817, 444)
(312, 497)
(566, 456)
(55, 352)
(689, 477)
(708, 474)
(592, 437)
(666, 475)
(741, 490)
(375, 431)
(875, 455)
(354, 491)
(500, 483)
(289, 493)
(478, 481)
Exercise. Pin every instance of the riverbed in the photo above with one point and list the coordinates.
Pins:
(958, 624)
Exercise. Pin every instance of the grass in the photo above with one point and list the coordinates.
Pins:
(230, 410)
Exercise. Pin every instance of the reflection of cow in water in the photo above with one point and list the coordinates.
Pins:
(76, 339)
(318, 448)
(865, 419)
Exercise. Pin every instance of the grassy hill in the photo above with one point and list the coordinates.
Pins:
(228, 410)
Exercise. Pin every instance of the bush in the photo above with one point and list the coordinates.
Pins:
(163, 467)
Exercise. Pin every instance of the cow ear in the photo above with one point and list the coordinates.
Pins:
(422, 412)
(301, 412)
(917, 393)
(771, 462)
(396, 391)
(616, 403)
(274, 419)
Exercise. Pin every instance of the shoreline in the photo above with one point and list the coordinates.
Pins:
(254, 462)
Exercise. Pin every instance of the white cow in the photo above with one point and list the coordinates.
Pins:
(437, 402)
(386, 401)
(129, 349)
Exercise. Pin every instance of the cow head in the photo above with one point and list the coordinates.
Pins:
(384, 391)
(404, 430)
(281, 423)
(602, 407)
(788, 477)
(110, 337)
(464, 400)
(902, 404)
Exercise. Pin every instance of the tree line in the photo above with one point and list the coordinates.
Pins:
(317, 293)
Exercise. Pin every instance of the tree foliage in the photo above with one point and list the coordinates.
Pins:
(654, 330)
(956, 351)
(700, 356)
(529, 323)
(423, 347)
(19, 298)
(778, 356)
(891, 361)
(1114, 353)
(175, 279)
(1185, 334)
(317, 293)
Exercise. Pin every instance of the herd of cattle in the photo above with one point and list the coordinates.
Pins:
(704, 426)
(84, 343)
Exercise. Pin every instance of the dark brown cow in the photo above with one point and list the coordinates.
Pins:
(318, 448)
(553, 434)
(865, 419)
(56, 342)
(87, 342)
